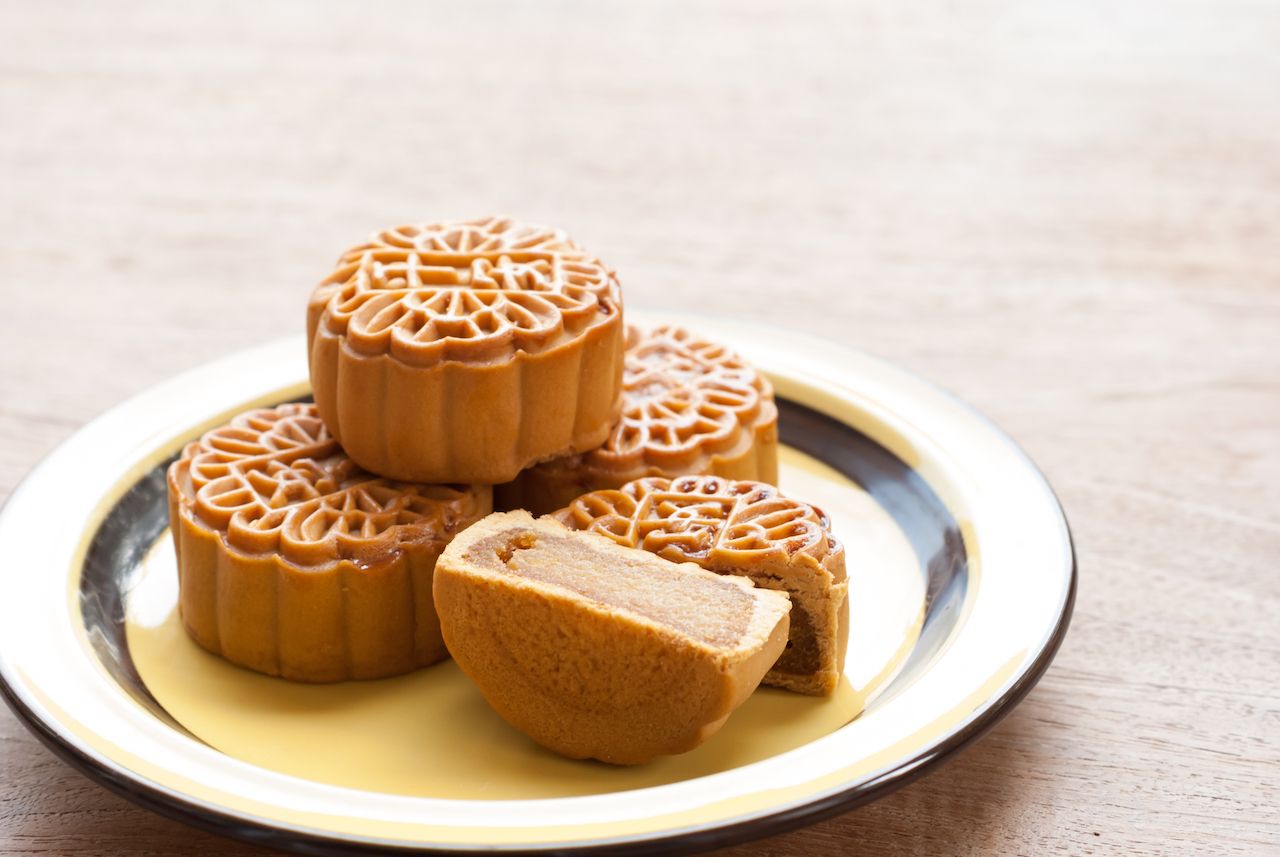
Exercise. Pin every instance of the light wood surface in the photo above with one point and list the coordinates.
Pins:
(1066, 213)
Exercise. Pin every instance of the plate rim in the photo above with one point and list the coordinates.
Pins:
(716, 833)
(689, 841)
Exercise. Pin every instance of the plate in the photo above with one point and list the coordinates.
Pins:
(962, 579)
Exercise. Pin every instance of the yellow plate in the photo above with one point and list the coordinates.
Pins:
(961, 574)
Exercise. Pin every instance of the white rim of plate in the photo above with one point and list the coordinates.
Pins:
(1015, 533)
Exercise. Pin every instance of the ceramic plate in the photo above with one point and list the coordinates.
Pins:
(961, 583)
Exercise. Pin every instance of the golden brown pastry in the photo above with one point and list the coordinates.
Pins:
(294, 562)
(742, 528)
(463, 352)
(599, 651)
(689, 406)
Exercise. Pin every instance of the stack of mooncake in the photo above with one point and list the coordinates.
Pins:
(455, 364)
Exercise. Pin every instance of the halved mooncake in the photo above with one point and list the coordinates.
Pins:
(689, 406)
(599, 651)
(741, 528)
(462, 352)
(292, 561)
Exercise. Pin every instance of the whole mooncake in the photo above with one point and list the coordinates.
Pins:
(599, 651)
(293, 561)
(463, 352)
(689, 406)
(748, 529)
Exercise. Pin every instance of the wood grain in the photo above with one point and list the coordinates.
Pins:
(1067, 213)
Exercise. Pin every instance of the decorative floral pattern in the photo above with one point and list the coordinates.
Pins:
(467, 291)
(705, 519)
(276, 480)
(681, 392)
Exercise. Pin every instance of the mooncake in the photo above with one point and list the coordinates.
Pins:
(741, 528)
(294, 562)
(463, 352)
(690, 406)
(595, 650)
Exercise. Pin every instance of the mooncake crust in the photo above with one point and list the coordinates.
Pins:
(744, 528)
(689, 406)
(294, 562)
(590, 675)
(461, 352)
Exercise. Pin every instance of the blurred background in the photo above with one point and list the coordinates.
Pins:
(1066, 213)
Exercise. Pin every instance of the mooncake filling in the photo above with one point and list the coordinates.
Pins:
(711, 610)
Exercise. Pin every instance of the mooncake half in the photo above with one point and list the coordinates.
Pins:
(741, 528)
(595, 650)
(294, 562)
(462, 352)
(689, 406)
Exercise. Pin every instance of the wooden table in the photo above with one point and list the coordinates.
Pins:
(1067, 213)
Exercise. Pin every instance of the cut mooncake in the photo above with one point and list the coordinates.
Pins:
(689, 406)
(292, 561)
(463, 352)
(741, 528)
(599, 651)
